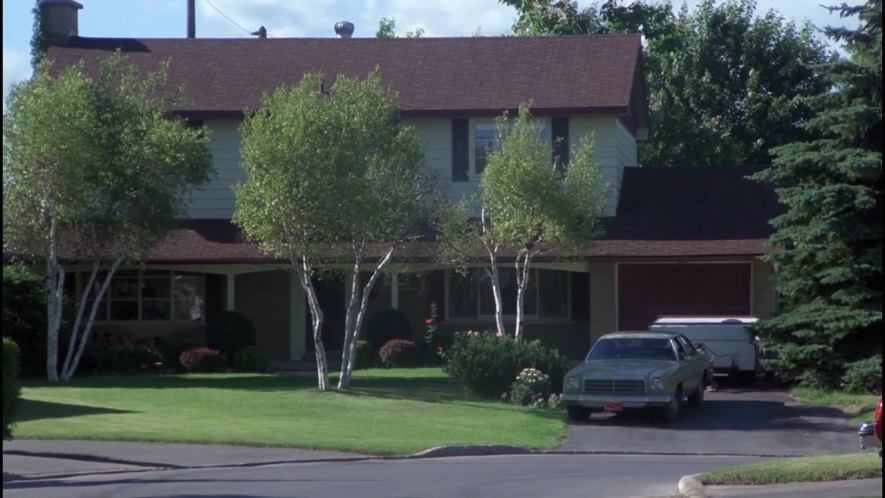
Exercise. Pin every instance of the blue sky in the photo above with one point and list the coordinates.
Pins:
(299, 18)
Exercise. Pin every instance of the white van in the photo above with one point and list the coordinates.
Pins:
(728, 338)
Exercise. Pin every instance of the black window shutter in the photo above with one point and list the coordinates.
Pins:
(460, 150)
(559, 130)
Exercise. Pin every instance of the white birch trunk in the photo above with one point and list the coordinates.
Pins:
(492, 272)
(316, 314)
(522, 280)
(349, 319)
(76, 327)
(55, 281)
(71, 364)
(352, 335)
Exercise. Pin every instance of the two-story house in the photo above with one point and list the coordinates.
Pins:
(677, 240)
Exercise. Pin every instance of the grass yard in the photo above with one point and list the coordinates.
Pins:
(802, 469)
(857, 407)
(386, 412)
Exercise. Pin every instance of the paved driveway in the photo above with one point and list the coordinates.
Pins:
(734, 421)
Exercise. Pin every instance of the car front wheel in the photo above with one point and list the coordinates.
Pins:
(697, 397)
(673, 410)
(578, 413)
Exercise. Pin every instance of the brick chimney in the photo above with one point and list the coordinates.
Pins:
(60, 20)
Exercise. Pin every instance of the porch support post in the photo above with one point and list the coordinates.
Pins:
(297, 322)
(394, 290)
(230, 287)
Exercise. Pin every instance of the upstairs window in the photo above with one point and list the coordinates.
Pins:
(485, 140)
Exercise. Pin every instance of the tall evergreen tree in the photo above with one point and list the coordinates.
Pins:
(828, 244)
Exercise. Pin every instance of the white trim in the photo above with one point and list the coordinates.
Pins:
(230, 288)
(617, 294)
(394, 290)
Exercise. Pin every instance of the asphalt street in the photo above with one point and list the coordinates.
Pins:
(560, 475)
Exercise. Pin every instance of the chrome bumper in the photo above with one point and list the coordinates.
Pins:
(867, 436)
(627, 401)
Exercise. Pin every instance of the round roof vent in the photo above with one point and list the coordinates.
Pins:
(344, 29)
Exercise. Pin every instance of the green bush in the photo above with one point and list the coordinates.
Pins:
(487, 365)
(864, 376)
(531, 387)
(366, 355)
(399, 353)
(132, 357)
(387, 325)
(24, 316)
(250, 359)
(11, 388)
(202, 359)
(230, 332)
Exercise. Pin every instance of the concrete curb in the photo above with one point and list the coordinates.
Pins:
(471, 450)
(690, 485)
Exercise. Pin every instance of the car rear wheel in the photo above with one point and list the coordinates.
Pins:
(697, 397)
(673, 410)
(578, 413)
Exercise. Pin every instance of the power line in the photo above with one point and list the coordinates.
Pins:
(228, 18)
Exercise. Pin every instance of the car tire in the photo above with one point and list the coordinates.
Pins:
(578, 413)
(697, 397)
(673, 410)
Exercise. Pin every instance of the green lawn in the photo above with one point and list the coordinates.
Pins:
(386, 412)
(857, 407)
(802, 469)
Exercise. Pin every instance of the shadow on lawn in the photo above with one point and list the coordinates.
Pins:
(217, 381)
(432, 390)
(36, 410)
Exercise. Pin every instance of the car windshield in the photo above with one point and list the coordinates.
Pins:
(628, 348)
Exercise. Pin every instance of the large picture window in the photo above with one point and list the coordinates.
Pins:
(149, 295)
(470, 295)
(485, 140)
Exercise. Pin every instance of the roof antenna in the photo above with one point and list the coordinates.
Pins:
(261, 33)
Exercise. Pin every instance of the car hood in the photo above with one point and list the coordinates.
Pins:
(607, 369)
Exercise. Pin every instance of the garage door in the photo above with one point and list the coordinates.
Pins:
(646, 291)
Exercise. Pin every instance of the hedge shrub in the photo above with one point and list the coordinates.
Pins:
(250, 359)
(132, 358)
(230, 332)
(24, 316)
(366, 355)
(387, 325)
(203, 359)
(864, 376)
(11, 388)
(487, 365)
(399, 353)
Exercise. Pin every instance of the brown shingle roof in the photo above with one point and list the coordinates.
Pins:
(664, 213)
(566, 75)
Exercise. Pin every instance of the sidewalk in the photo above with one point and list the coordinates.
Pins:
(833, 489)
(31, 458)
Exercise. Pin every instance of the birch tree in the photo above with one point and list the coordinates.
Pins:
(94, 172)
(334, 179)
(527, 205)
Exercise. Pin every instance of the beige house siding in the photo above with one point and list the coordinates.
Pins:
(603, 305)
(764, 291)
(217, 200)
(264, 298)
(615, 147)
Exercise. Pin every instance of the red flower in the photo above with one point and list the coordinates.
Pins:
(429, 321)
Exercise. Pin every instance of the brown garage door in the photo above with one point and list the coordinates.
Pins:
(646, 291)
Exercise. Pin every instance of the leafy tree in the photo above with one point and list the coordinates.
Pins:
(39, 43)
(528, 205)
(94, 171)
(387, 29)
(333, 179)
(829, 242)
(553, 17)
(723, 84)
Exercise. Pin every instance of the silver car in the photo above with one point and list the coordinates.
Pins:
(628, 370)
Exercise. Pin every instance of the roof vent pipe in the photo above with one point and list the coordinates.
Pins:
(344, 29)
(191, 22)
